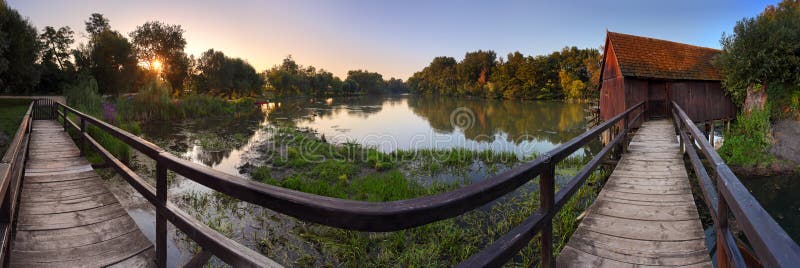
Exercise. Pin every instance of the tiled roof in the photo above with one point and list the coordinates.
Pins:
(653, 58)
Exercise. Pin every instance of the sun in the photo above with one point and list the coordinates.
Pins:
(156, 65)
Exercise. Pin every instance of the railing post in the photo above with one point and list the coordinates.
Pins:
(624, 147)
(547, 199)
(64, 115)
(83, 135)
(723, 260)
(161, 220)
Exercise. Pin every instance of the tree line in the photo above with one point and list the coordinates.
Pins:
(571, 73)
(46, 62)
(290, 78)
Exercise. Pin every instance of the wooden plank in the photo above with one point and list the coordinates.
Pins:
(56, 220)
(73, 237)
(645, 215)
(67, 217)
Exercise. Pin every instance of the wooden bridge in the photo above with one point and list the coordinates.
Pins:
(56, 212)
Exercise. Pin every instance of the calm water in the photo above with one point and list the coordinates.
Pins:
(778, 195)
(385, 122)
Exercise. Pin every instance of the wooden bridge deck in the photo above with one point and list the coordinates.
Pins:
(67, 217)
(645, 215)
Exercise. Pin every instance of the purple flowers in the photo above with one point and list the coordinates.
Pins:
(109, 113)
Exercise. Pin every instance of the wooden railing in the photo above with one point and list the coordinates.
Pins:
(357, 215)
(12, 169)
(724, 194)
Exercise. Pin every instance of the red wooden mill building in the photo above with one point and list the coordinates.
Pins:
(657, 71)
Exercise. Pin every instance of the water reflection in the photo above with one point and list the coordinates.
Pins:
(414, 122)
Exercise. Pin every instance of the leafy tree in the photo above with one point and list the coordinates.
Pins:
(350, 86)
(108, 57)
(290, 78)
(396, 86)
(56, 45)
(369, 82)
(19, 49)
(571, 73)
(762, 51)
(474, 71)
(97, 24)
(220, 74)
(156, 41)
(56, 67)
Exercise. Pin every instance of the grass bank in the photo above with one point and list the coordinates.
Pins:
(11, 113)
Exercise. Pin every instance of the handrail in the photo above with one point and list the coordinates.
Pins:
(350, 214)
(773, 247)
(11, 171)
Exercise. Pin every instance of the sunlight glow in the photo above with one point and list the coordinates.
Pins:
(156, 65)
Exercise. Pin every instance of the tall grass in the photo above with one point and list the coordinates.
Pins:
(85, 97)
(154, 102)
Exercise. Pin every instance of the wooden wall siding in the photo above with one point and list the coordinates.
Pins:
(612, 92)
(635, 92)
(702, 100)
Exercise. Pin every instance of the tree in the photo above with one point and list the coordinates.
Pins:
(97, 24)
(55, 67)
(19, 50)
(56, 45)
(290, 78)
(474, 71)
(762, 51)
(108, 57)
(369, 82)
(156, 41)
(219, 74)
(396, 86)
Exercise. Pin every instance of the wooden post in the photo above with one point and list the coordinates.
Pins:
(547, 199)
(728, 125)
(64, 112)
(161, 220)
(83, 136)
(679, 125)
(723, 260)
(711, 138)
(624, 141)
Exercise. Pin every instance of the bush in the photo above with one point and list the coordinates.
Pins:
(747, 143)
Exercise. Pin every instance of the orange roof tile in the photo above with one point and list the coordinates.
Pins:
(653, 58)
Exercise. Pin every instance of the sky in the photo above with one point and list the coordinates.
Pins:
(398, 38)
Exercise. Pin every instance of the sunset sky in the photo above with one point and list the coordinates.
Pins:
(397, 38)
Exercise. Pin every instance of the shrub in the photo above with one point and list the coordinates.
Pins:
(747, 143)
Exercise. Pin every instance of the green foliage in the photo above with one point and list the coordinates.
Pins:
(84, 97)
(762, 50)
(368, 82)
(747, 143)
(572, 73)
(19, 49)
(11, 113)
(262, 174)
(290, 78)
(784, 100)
(108, 57)
(154, 102)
